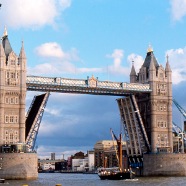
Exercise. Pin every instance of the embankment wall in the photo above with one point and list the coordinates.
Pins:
(18, 166)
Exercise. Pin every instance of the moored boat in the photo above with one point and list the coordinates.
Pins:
(116, 173)
(2, 180)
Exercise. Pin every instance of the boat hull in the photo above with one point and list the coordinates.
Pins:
(116, 176)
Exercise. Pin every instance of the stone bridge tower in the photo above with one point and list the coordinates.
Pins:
(13, 163)
(156, 107)
(13, 93)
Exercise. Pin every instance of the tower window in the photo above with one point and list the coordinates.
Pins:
(12, 75)
(6, 119)
(12, 62)
(16, 119)
(12, 100)
(11, 136)
(16, 100)
(6, 100)
(165, 124)
(11, 119)
(162, 124)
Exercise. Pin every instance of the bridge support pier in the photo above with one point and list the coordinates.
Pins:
(18, 166)
(167, 164)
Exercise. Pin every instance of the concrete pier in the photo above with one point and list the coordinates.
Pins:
(164, 164)
(18, 166)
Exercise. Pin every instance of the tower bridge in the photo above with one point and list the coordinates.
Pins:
(146, 113)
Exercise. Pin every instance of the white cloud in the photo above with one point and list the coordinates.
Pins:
(53, 112)
(117, 55)
(53, 68)
(32, 13)
(178, 9)
(138, 61)
(52, 49)
(177, 60)
(59, 68)
(116, 68)
(58, 61)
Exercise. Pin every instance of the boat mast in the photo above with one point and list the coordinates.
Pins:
(119, 142)
(119, 153)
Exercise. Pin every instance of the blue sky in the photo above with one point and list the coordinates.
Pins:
(80, 38)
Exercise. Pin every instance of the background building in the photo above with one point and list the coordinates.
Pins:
(53, 156)
(105, 154)
(82, 162)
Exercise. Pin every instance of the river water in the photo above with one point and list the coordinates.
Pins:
(52, 179)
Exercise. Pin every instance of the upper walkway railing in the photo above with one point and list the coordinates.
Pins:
(84, 86)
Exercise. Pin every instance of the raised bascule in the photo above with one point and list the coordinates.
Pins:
(145, 106)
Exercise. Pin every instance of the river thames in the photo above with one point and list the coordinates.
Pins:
(51, 179)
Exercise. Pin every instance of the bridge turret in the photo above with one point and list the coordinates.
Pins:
(156, 108)
(152, 75)
(168, 76)
(133, 74)
(22, 55)
(22, 63)
(6, 44)
(168, 71)
(12, 115)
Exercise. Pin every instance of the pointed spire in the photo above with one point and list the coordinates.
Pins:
(150, 57)
(6, 44)
(167, 68)
(133, 74)
(133, 71)
(22, 51)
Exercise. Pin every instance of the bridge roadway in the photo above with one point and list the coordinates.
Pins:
(84, 86)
